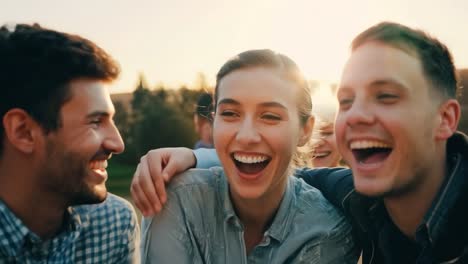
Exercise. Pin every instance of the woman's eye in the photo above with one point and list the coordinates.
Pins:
(345, 103)
(228, 113)
(271, 117)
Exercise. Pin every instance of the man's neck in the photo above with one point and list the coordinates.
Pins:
(408, 210)
(40, 211)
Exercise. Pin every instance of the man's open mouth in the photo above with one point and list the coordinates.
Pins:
(369, 152)
(250, 164)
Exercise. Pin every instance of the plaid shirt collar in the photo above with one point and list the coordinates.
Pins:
(14, 235)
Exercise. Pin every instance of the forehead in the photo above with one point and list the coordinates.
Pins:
(87, 96)
(375, 62)
(258, 84)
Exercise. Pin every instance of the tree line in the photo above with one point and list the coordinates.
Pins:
(155, 118)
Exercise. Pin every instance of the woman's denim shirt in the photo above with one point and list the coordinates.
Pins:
(199, 225)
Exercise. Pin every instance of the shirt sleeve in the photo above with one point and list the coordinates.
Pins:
(206, 158)
(164, 237)
(339, 246)
(336, 245)
(335, 183)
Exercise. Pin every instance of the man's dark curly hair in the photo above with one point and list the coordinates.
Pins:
(36, 66)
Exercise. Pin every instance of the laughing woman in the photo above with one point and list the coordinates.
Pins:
(251, 210)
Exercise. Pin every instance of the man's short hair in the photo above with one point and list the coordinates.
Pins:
(435, 57)
(37, 65)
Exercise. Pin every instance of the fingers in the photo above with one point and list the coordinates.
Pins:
(153, 172)
(155, 164)
(143, 190)
(171, 168)
(148, 185)
(139, 197)
(179, 160)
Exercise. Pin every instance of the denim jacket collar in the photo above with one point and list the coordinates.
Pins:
(282, 220)
(435, 220)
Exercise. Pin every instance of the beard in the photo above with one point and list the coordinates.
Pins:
(65, 175)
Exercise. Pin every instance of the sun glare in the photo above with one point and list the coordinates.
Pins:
(324, 101)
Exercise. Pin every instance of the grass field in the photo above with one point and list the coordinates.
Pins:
(120, 177)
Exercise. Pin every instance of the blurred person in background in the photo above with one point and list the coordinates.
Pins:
(202, 119)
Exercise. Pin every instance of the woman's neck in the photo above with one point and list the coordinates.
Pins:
(257, 214)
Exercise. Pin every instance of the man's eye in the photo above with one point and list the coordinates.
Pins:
(387, 98)
(386, 95)
(95, 122)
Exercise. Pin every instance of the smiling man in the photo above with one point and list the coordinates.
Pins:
(57, 134)
(396, 129)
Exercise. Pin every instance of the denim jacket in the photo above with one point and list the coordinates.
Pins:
(442, 237)
(199, 225)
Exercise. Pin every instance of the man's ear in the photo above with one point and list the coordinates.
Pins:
(306, 131)
(21, 130)
(449, 116)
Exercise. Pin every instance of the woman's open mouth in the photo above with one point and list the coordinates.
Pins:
(250, 163)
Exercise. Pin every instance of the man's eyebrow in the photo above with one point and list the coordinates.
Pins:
(376, 84)
(384, 82)
(97, 114)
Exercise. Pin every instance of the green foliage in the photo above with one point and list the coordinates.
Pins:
(162, 124)
(120, 177)
(155, 119)
(463, 98)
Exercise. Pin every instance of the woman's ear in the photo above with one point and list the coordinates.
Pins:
(306, 131)
(449, 116)
(20, 129)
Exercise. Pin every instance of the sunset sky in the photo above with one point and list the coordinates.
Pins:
(171, 41)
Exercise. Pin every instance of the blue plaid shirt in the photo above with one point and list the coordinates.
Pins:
(101, 233)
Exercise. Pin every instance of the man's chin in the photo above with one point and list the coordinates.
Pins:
(89, 197)
(370, 189)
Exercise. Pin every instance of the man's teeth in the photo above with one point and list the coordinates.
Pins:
(365, 144)
(98, 165)
(250, 159)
